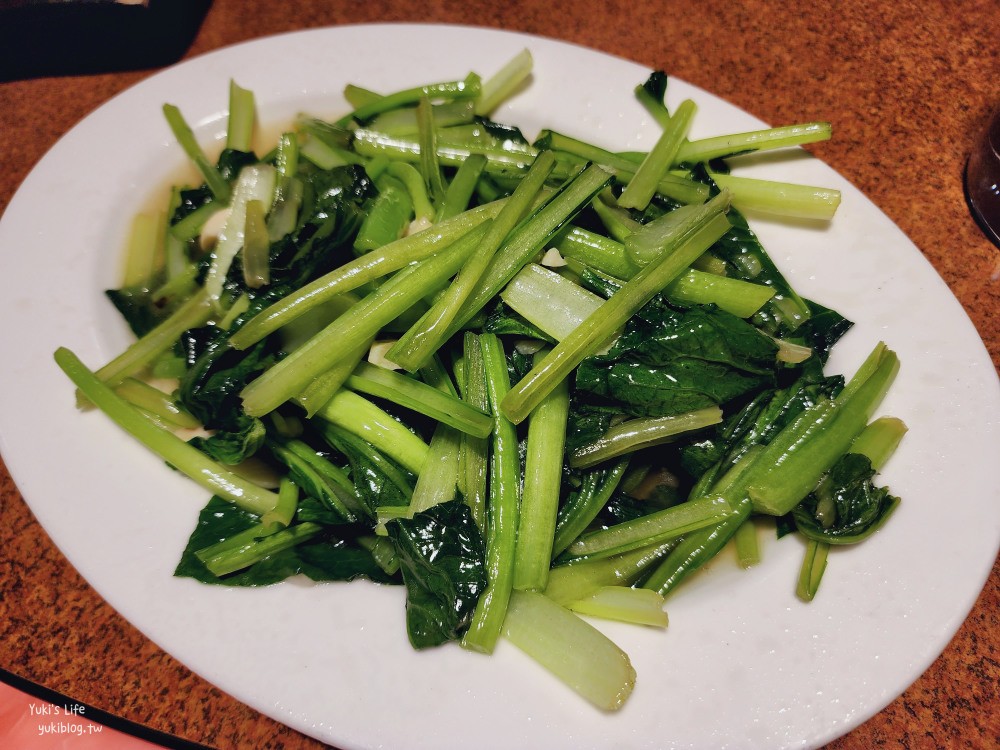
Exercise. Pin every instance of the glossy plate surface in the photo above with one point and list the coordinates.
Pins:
(743, 663)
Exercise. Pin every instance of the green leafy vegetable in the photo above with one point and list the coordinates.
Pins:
(526, 380)
(324, 559)
(443, 562)
(674, 362)
(845, 507)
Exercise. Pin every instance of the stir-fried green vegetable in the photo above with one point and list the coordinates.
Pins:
(528, 380)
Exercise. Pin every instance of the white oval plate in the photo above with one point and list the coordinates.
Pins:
(743, 663)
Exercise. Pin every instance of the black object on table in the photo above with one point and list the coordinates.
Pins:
(75, 37)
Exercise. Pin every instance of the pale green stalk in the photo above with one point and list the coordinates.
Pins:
(741, 298)
(573, 650)
(553, 303)
(223, 562)
(659, 526)
(642, 432)
(530, 238)
(636, 606)
(429, 166)
(141, 253)
(780, 198)
(419, 397)
(735, 144)
(474, 460)
(504, 82)
(661, 157)
(570, 583)
(543, 469)
(747, 544)
(319, 392)
(359, 416)
(438, 480)
(502, 508)
(240, 126)
(156, 402)
(185, 137)
(172, 449)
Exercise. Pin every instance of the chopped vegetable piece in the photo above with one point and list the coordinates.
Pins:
(571, 649)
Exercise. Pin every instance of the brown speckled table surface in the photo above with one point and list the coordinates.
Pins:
(907, 85)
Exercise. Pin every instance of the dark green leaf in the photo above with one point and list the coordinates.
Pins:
(675, 388)
(232, 161)
(377, 479)
(190, 201)
(659, 335)
(338, 560)
(784, 525)
(587, 423)
(233, 446)
(624, 507)
(671, 362)
(655, 86)
(824, 328)
(210, 389)
(136, 306)
(334, 498)
(218, 521)
(846, 506)
(321, 558)
(332, 212)
(502, 132)
(442, 553)
(317, 511)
